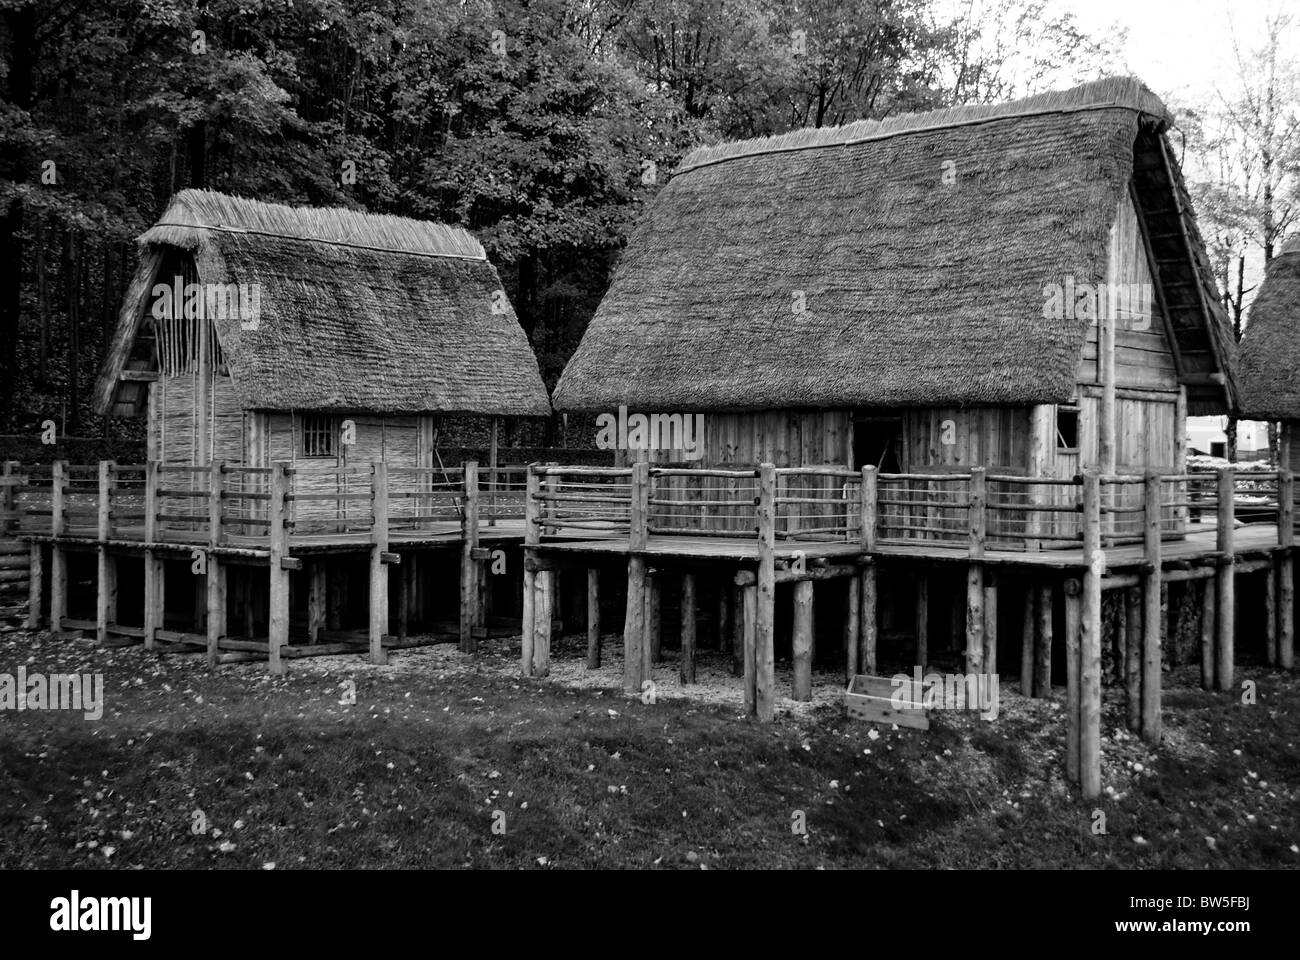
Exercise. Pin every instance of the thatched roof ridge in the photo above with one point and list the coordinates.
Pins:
(358, 312)
(918, 249)
(1107, 93)
(1269, 369)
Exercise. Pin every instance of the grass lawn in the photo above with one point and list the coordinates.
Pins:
(280, 771)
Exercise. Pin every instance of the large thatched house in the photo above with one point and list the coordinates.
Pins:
(1020, 286)
(255, 332)
(1270, 351)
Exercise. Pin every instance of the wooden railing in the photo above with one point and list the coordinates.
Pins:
(832, 503)
(232, 504)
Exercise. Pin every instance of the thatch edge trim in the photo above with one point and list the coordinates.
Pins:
(189, 235)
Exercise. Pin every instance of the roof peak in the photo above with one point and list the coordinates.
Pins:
(1106, 93)
(193, 213)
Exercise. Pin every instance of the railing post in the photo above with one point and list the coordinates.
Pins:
(278, 626)
(868, 597)
(1226, 578)
(58, 559)
(154, 596)
(1285, 568)
(1151, 614)
(640, 506)
(216, 576)
(1090, 640)
(468, 565)
(532, 537)
(378, 568)
(106, 581)
(764, 648)
(977, 521)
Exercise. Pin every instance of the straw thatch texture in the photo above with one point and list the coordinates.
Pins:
(917, 291)
(357, 312)
(1269, 370)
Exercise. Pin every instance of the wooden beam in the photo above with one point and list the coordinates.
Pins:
(532, 537)
(593, 618)
(852, 628)
(278, 625)
(922, 618)
(216, 607)
(1226, 580)
(1073, 624)
(991, 624)
(1028, 619)
(749, 632)
(1090, 642)
(654, 618)
(542, 613)
(1043, 660)
(1152, 617)
(1209, 626)
(764, 630)
(1134, 646)
(468, 565)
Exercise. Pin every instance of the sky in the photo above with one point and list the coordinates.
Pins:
(1182, 49)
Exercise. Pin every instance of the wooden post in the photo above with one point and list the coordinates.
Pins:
(36, 573)
(1043, 665)
(852, 627)
(922, 619)
(493, 472)
(316, 594)
(1227, 580)
(1073, 624)
(868, 629)
(154, 581)
(1152, 618)
(1209, 625)
(1028, 619)
(688, 628)
(991, 624)
(532, 537)
(216, 606)
(738, 641)
(1286, 567)
(542, 613)
(1134, 656)
(1090, 641)
(468, 565)
(749, 627)
(654, 617)
(1270, 615)
(378, 569)
(764, 632)
(725, 613)
(106, 581)
(802, 639)
(278, 615)
(58, 558)
(593, 618)
(975, 574)
(634, 627)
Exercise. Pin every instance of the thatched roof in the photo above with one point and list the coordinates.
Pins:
(917, 292)
(357, 311)
(1270, 346)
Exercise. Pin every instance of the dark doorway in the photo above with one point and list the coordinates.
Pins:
(878, 442)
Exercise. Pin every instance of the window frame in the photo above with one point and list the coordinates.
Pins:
(312, 427)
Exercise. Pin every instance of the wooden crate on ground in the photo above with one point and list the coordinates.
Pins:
(882, 700)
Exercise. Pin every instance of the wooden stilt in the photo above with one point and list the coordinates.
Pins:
(764, 632)
(867, 587)
(278, 626)
(216, 604)
(468, 565)
(593, 618)
(852, 627)
(36, 573)
(1209, 626)
(1153, 619)
(58, 558)
(316, 598)
(154, 593)
(1028, 619)
(725, 614)
(335, 580)
(543, 612)
(1286, 567)
(922, 620)
(688, 629)
(532, 537)
(737, 631)
(378, 569)
(802, 639)
(106, 566)
(1073, 625)
(991, 625)
(1223, 671)
(1270, 616)
(1090, 641)
(405, 595)
(654, 617)
(749, 632)
(1134, 635)
(1043, 660)
(635, 646)
(975, 575)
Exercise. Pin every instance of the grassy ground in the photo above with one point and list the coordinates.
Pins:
(281, 772)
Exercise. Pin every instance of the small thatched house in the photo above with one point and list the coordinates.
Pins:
(1270, 351)
(254, 332)
(1020, 286)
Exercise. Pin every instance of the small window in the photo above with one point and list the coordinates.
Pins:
(1067, 429)
(318, 435)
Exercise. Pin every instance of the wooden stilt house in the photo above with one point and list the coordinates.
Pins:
(1270, 352)
(1020, 287)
